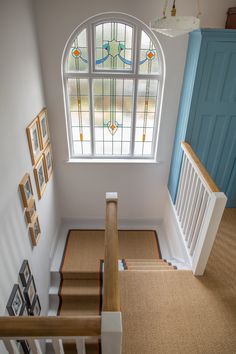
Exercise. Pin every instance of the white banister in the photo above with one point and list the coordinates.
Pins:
(11, 346)
(198, 209)
(34, 346)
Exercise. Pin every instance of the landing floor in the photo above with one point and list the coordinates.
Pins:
(175, 312)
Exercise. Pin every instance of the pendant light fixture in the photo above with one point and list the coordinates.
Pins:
(173, 25)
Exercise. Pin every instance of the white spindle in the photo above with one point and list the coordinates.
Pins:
(190, 197)
(11, 346)
(192, 208)
(80, 345)
(179, 192)
(57, 345)
(195, 216)
(184, 193)
(199, 223)
(34, 346)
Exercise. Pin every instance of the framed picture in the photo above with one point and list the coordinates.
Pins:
(40, 177)
(16, 302)
(30, 291)
(24, 311)
(30, 212)
(26, 190)
(25, 273)
(35, 231)
(43, 128)
(34, 140)
(48, 161)
(36, 307)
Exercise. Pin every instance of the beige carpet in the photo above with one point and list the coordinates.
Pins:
(85, 248)
(80, 291)
(177, 313)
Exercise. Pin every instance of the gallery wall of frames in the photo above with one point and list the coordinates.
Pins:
(24, 300)
(41, 157)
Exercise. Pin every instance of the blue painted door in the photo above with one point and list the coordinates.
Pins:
(211, 127)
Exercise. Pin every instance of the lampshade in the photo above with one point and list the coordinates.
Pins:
(173, 26)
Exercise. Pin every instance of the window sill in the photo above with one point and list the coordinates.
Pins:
(111, 161)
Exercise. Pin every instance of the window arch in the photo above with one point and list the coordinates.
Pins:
(113, 75)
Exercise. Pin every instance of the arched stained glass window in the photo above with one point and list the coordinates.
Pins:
(113, 71)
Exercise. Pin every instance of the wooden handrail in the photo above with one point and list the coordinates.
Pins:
(111, 290)
(190, 153)
(47, 327)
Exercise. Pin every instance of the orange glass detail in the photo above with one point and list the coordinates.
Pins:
(76, 52)
(150, 55)
(81, 136)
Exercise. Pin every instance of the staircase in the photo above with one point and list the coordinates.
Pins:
(147, 265)
(80, 297)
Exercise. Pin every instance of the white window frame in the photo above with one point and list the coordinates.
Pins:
(138, 26)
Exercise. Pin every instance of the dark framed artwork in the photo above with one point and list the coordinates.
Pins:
(48, 161)
(30, 292)
(15, 304)
(25, 273)
(36, 307)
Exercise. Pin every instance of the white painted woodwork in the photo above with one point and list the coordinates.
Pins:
(198, 209)
(34, 346)
(11, 346)
(80, 345)
(111, 333)
(57, 346)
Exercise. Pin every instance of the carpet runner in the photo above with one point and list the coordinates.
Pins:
(80, 290)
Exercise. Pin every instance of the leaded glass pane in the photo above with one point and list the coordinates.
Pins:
(149, 62)
(113, 46)
(113, 107)
(78, 56)
(78, 97)
(145, 116)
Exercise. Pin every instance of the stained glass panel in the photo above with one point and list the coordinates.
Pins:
(78, 56)
(149, 58)
(113, 107)
(78, 95)
(145, 117)
(113, 46)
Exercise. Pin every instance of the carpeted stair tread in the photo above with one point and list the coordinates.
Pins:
(81, 307)
(147, 260)
(91, 347)
(76, 275)
(150, 268)
(81, 287)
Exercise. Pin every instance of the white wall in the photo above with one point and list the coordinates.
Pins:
(21, 98)
(82, 186)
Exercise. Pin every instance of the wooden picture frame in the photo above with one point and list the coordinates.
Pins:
(35, 309)
(26, 190)
(30, 212)
(25, 273)
(15, 304)
(33, 135)
(35, 231)
(30, 292)
(48, 161)
(43, 128)
(40, 176)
